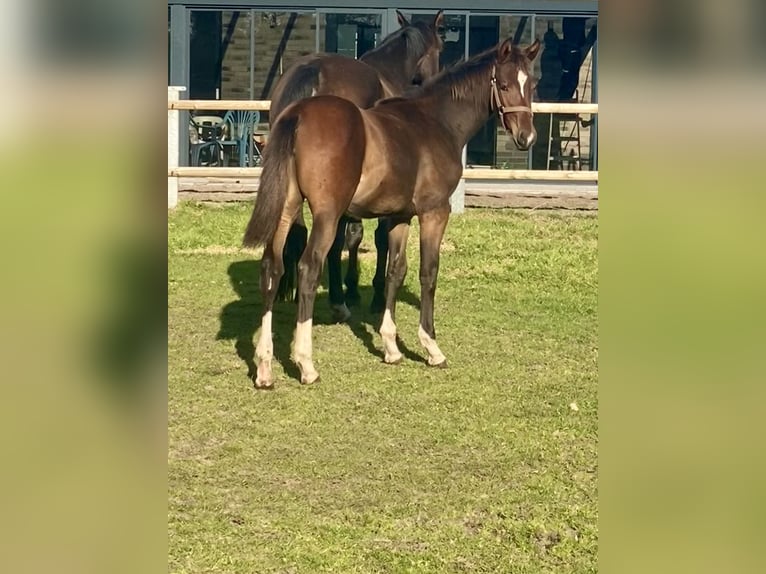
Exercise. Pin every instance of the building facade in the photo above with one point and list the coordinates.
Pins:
(238, 49)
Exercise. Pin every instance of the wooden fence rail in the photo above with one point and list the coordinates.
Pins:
(260, 105)
(265, 105)
(175, 171)
(468, 173)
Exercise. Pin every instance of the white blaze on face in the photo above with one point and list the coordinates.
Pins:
(522, 78)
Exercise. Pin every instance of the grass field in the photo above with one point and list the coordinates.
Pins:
(489, 465)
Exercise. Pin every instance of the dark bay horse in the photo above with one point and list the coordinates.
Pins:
(398, 159)
(406, 57)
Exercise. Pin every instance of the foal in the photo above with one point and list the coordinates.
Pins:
(411, 54)
(399, 159)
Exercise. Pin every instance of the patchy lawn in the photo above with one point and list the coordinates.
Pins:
(489, 465)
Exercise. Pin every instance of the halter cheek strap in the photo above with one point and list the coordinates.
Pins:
(497, 103)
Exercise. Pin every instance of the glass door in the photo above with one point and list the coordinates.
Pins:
(349, 34)
(567, 73)
(483, 33)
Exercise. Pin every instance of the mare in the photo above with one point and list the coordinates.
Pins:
(398, 159)
(406, 57)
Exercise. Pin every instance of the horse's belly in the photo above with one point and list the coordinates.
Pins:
(381, 195)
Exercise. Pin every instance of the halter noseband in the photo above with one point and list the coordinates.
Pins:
(498, 103)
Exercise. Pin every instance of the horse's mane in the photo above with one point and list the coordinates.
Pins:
(414, 37)
(461, 76)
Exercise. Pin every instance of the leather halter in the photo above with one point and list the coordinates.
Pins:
(498, 103)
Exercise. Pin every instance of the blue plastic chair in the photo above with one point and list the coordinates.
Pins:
(204, 135)
(239, 126)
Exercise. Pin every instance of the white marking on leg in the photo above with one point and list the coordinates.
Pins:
(303, 340)
(435, 356)
(264, 351)
(388, 333)
(522, 78)
(304, 351)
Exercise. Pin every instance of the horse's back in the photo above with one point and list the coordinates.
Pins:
(326, 74)
(350, 79)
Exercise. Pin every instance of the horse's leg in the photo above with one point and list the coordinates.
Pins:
(340, 312)
(272, 268)
(432, 225)
(379, 281)
(309, 272)
(397, 270)
(354, 235)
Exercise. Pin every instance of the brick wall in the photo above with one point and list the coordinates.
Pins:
(267, 67)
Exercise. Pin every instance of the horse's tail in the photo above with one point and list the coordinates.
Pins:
(299, 82)
(272, 191)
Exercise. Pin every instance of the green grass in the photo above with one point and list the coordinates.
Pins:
(480, 467)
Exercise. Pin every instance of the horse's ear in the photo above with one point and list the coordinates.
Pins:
(402, 19)
(504, 50)
(439, 20)
(532, 50)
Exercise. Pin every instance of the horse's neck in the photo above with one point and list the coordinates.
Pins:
(462, 117)
(394, 68)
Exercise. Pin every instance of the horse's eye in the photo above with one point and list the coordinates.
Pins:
(504, 87)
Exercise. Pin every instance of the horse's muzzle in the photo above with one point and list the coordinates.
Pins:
(524, 140)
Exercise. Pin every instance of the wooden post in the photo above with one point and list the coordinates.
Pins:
(174, 93)
(457, 199)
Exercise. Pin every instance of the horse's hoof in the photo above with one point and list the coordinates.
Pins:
(442, 365)
(262, 377)
(309, 380)
(263, 385)
(340, 313)
(397, 361)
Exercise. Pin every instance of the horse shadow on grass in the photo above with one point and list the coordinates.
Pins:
(240, 319)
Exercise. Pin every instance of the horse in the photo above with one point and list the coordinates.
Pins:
(406, 57)
(399, 159)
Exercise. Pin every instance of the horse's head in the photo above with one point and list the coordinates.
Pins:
(512, 86)
(432, 45)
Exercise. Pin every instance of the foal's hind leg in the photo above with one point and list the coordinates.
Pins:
(432, 225)
(397, 270)
(309, 272)
(272, 268)
(354, 235)
(340, 312)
